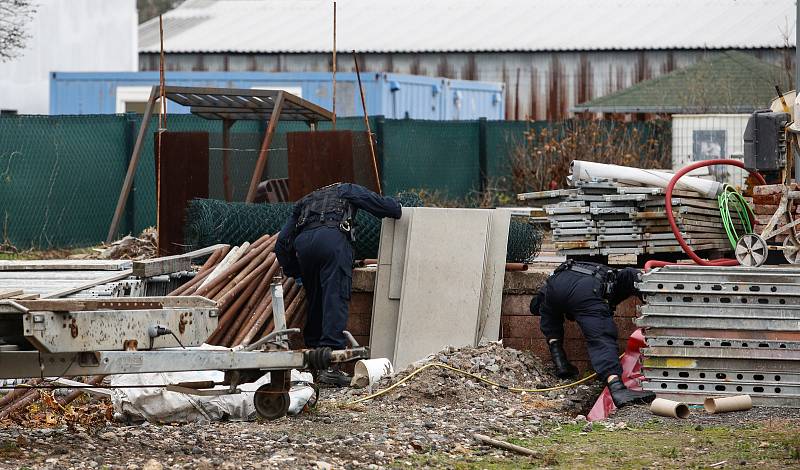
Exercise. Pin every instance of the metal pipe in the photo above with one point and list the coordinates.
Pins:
(369, 131)
(516, 267)
(269, 337)
(213, 287)
(259, 303)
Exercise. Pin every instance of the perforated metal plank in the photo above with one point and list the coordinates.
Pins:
(776, 312)
(653, 321)
(714, 387)
(727, 375)
(721, 300)
(722, 353)
(711, 363)
(739, 343)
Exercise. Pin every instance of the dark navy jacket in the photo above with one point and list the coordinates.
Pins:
(359, 196)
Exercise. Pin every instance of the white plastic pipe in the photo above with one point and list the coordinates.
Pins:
(368, 372)
(669, 408)
(586, 171)
(723, 405)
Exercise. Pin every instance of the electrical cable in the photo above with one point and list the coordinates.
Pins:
(729, 199)
(476, 377)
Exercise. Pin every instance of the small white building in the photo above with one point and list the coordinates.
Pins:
(69, 36)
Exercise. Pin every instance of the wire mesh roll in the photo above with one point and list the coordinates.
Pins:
(211, 221)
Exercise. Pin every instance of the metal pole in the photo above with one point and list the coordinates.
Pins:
(369, 131)
(334, 66)
(796, 83)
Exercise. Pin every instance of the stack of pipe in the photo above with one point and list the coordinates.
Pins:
(239, 280)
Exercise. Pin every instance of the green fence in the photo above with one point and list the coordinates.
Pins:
(60, 176)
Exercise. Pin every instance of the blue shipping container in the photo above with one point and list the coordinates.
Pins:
(391, 95)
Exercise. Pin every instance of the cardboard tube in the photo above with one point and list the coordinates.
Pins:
(669, 408)
(723, 405)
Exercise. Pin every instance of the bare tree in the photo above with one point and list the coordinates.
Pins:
(14, 17)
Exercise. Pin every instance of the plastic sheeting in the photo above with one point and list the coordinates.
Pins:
(631, 374)
(156, 404)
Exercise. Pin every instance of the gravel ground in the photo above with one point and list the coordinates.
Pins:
(434, 414)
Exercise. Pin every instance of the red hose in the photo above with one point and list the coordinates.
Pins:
(685, 246)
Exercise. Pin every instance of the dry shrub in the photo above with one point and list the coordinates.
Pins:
(542, 160)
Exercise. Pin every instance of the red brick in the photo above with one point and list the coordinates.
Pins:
(359, 324)
(361, 302)
(518, 326)
(516, 304)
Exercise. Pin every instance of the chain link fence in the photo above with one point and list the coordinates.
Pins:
(60, 176)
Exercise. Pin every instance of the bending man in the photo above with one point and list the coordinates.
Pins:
(588, 293)
(315, 244)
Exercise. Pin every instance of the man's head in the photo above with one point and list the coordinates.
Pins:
(625, 285)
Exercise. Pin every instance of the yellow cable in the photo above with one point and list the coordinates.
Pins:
(476, 377)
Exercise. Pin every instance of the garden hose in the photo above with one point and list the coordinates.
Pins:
(476, 377)
(731, 200)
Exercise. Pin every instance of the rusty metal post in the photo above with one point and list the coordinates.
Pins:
(369, 131)
(263, 154)
(226, 143)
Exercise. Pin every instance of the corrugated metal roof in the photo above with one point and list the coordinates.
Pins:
(297, 26)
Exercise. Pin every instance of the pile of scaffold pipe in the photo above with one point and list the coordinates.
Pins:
(239, 280)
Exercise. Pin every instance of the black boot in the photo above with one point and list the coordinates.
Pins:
(623, 396)
(564, 370)
(334, 377)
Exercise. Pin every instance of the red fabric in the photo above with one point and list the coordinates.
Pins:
(631, 373)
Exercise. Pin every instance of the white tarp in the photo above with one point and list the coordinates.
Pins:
(156, 404)
(586, 171)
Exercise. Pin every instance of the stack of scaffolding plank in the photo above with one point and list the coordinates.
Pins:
(239, 279)
(716, 331)
(602, 218)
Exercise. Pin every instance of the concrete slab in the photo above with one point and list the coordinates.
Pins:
(442, 281)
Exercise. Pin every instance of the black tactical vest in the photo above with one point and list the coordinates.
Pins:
(325, 207)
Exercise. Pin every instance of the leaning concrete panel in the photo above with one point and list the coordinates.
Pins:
(384, 310)
(442, 283)
(494, 271)
(401, 228)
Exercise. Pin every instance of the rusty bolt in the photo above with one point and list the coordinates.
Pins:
(73, 328)
(182, 324)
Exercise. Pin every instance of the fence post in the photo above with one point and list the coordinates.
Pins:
(482, 155)
(379, 149)
(130, 205)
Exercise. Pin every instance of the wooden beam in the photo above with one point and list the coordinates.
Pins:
(171, 264)
(263, 154)
(133, 165)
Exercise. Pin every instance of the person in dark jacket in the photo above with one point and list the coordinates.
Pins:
(315, 245)
(588, 293)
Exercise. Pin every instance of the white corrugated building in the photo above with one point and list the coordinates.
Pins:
(551, 54)
(68, 36)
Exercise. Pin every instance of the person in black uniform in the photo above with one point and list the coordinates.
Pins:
(588, 293)
(315, 245)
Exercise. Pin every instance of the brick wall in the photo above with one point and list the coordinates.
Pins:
(518, 328)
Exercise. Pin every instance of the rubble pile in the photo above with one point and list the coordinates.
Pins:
(507, 367)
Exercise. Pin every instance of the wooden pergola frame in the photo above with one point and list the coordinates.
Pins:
(228, 105)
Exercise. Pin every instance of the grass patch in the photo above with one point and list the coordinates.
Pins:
(652, 445)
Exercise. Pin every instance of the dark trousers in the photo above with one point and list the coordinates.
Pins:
(326, 263)
(578, 296)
